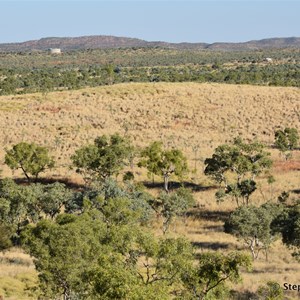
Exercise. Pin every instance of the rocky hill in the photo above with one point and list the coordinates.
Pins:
(102, 42)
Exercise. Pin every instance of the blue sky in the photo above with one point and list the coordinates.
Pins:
(169, 20)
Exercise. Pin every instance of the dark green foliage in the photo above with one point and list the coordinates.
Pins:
(247, 187)
(108, 195)
(106, 157)
(152, 158)
(30, 158)
(14, 206)
(207, 279)
(64, 254)
(271, 291)
(6, 233)
(242, 189)
(163, 163)
(288, 224)
(286, 141)
(88, 258)
(238, 157)
(164, 262)
(283, 197)
(20, 205)
(128, 176)
(54, 197)
(253, 226)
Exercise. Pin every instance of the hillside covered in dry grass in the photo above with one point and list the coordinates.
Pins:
(185, 115)
(193, 117)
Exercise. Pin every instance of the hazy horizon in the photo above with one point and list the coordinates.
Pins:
(171, 21)
(46, 37)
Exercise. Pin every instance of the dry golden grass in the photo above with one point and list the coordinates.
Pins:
(17, 275)
(193, 117)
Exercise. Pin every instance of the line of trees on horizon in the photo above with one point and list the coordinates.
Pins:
(55, 79)
(39, 72)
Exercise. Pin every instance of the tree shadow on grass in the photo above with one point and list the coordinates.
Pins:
(68, 183)
(174, 185)
(212, 245)
(296, 191)
(245, 295)
(215, 215)
(214, 228)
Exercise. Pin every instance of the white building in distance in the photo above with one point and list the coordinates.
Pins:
(55, 50)
(268, 59)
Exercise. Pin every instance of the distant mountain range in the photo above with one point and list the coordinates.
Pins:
(104, 42)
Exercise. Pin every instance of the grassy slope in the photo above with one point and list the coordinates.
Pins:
(17, 275)
(193, 117)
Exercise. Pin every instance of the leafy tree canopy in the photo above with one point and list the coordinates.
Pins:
(253, 226)
(271, 291)
(207, 279)
(30, 158)
(163, 162)
(5, 236)
(108, 195)
(286, 141)
(84, 257)
(288, 224)
(244, 160)
(171, 205)
(20, 205)
(106, 157)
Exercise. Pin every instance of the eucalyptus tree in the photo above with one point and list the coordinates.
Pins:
(288, 224)
(163, 163)
(286, 141)
(252, 225)
(31, 158)
(235, 166)
(87, 258)
(103, 159)
(207, 279)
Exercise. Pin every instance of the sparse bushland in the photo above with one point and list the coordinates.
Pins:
(116, 256)
(132, 206)
(34, 72)
(112, 220)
